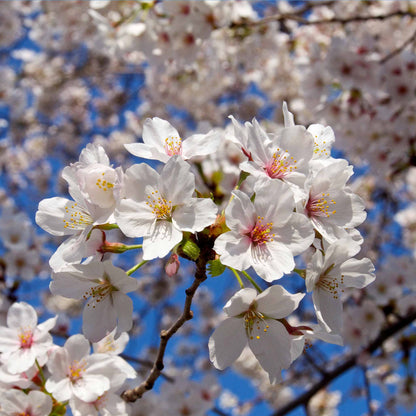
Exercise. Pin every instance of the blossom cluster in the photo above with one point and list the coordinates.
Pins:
(290, 198)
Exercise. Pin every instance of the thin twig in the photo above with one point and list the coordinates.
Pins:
(312, 362)
(368, 392)
(334, 20)
(399, 49)
(132, 395)
(346, 365)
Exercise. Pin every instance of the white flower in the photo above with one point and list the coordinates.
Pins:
(265, 234)
(108, 404)
(330, 205)
(104, 287)
(161, 141)
(111, 345)
(284, 156)
(90, 183)
(254, 319)
(76, 372)
(16, 402)
(23, 341)
(93, 177)
(60, 216)
(160, 207)
(327, 276)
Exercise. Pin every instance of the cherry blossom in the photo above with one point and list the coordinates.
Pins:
(104, 288)
(161, 141)
(16, 402)
(160, 208)
(77, 373)
(255, 319)
(264, 235)
(329, 273)
(23, 341)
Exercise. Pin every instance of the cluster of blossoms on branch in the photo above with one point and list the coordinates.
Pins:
(290, 198)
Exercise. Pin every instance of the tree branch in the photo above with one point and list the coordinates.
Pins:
(206, 254)
(399, 49)
(346, 365)
(367, 392)
(281, 17)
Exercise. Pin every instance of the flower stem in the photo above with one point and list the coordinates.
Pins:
(252, 281)
(41, 375)
(136, 267)
(300, 272)
(237, 276)
(106, 226)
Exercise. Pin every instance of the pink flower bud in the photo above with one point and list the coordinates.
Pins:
(172, 266)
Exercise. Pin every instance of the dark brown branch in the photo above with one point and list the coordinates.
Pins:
(346, 365)
(396, 51)
(335, 20)
(165, 335)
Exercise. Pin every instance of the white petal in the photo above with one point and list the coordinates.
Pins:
(274, 201)
(272, 348)
(98, 319)
(134, 219)
(201, 144)
(163, 239)
(328, 310)
(272, 260)
(147, 152)
(240, 302)
(240, 215)
(21, 314)
(77, 347)
(50, 216)
(124, 307)
(137, 179)
(277, 302)
(297, 234)
(41, 403)
(156, 130)
(177, 182)
(61, 389)
(119, 278)
(234, 250)
(357, 273)
(195, 215)
(90, 387)
(227, 342)
(9, 340)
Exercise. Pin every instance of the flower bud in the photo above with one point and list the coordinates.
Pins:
(172, 266)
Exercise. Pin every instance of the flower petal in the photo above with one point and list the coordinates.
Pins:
(227, 342)
(277, 302)
(272, 348)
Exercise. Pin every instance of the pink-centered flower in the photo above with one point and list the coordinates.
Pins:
(161, 141)
(77, 373)
(283, 156)
(266, 234)
(23, 341)
(17, 403)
